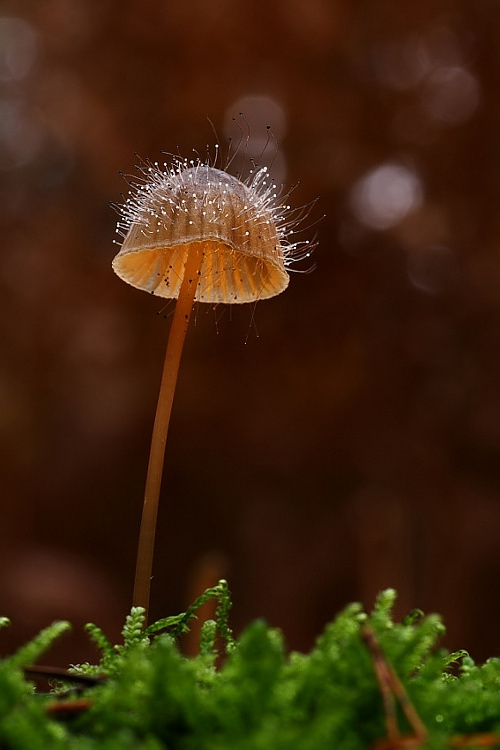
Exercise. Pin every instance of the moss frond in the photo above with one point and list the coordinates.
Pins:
(179, 624)
(259, 697)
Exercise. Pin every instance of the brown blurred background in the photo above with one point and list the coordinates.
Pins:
(339, 439)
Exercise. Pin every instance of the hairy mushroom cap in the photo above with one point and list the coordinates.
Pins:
(242, 226)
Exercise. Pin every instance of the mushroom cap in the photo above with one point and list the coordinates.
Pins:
(171, 211)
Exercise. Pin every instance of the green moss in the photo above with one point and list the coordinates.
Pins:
(253, 694)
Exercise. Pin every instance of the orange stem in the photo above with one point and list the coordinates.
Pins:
(173, 354)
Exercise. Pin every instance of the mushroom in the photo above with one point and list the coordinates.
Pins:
(193, 232)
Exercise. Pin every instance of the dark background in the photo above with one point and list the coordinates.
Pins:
(339, 439)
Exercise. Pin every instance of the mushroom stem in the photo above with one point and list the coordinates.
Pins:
(178, 329)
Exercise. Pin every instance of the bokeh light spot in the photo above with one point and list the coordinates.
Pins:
(384, 196)
(450, 95)
(18, 48)
(401, 64)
